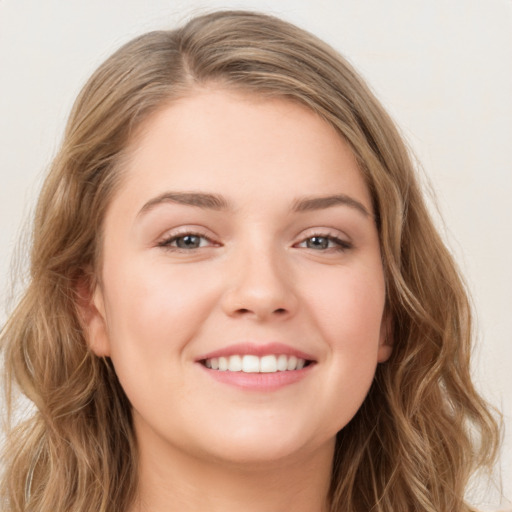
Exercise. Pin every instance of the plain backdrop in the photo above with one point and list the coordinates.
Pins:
(442, 68)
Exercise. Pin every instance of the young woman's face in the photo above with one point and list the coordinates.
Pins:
(241, 295)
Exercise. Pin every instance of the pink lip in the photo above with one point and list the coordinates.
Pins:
(260, 382)
(256, 350)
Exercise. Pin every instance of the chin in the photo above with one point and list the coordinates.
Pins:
(257, 444)
(252, 455)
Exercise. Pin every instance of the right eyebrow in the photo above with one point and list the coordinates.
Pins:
(198, 199)
(306, 204)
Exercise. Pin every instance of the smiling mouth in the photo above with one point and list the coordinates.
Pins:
(248, 363)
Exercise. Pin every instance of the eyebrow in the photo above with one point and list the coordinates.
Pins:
(198, 199)
(307, 204)
(219, 203)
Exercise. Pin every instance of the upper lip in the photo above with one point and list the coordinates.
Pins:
(257, 349)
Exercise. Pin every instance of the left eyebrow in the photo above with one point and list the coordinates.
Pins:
(307, 204)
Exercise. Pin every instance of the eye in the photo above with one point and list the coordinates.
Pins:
(323, 242)
(186, 242)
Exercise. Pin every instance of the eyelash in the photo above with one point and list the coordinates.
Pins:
(340, 245)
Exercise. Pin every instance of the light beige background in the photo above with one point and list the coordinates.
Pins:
(442, 68)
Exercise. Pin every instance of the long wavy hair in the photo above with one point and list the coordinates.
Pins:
(421, 431)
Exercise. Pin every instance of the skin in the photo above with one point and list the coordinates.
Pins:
(257, 276)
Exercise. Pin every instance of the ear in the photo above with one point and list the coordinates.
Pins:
(386, 339)
(91, 311)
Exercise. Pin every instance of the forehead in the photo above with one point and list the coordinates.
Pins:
(239, 144)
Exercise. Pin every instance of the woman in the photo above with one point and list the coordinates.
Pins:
(238, 299)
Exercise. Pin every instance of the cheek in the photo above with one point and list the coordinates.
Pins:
(155, 309)
(348, 314)
(348, 307)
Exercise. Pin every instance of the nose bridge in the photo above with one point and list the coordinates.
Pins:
(260, 283)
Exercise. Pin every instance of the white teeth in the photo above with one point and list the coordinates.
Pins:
(282, 363)
(223, 364)
(253, 364)
(292, 363)
(268, 364)
(235, 364)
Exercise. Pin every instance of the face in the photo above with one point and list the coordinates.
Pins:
(241, 293)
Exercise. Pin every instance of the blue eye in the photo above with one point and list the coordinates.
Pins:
(324, 243)
(318, 242)
(187, 241)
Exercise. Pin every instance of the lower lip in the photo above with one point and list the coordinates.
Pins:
(259, 381)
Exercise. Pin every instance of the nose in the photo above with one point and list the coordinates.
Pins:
(259, 286)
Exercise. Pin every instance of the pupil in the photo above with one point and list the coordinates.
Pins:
(188, 242)
(318, 242)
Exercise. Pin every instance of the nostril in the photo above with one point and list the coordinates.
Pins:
(245, 311)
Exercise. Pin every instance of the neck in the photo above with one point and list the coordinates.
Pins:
(172, 480)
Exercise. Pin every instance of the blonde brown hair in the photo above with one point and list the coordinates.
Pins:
(421, 431)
